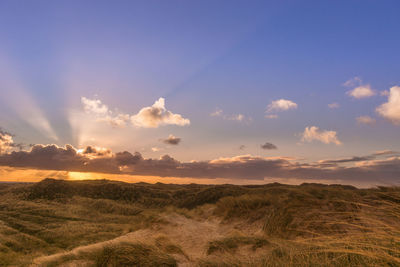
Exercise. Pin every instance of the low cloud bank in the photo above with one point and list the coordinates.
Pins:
(380, 167)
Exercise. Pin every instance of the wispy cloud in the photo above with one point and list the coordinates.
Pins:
(233, 117)
(271, 116)
(333, 105)
(353, 82)
(366, 120)
(217, 113)
(103, 113)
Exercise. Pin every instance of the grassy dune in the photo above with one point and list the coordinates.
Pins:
(107, 223)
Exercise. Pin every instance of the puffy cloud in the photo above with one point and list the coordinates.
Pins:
(362, 91)
(156, 115)
(281, 105)
(94, 106)
(126, 158)
(172, 140)
(363, 169)
(333, 105)
(314, 133)
(268, 146)
(391, 109)
(148, 117)
(366, 120)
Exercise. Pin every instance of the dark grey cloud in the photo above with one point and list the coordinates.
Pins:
(96, 151)
(171, 140)
(347, 160)
(372, 156)
(269, 146)
(52, 157)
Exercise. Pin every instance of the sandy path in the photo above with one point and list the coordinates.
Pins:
(191, 235)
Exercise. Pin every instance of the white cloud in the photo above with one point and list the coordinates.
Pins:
(314, 133)
(103, 113)
(362, 91)
(156, 115)
(148, 117)
(94, 106)
(281, 105)
(333, 105)
(366, 120)
(391, 109)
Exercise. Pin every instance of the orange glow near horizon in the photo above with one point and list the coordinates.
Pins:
(9, 174)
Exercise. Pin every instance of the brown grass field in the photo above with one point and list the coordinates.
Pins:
(108, 223)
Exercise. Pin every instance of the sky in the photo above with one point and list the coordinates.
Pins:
(239, 92)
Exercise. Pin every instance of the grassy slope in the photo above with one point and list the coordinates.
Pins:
(270, 225)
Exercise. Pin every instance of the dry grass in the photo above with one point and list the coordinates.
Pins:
(273, 225)
(133, 255)
(231, 244)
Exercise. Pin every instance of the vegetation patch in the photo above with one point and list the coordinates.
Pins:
(126, 254)
(231, 244)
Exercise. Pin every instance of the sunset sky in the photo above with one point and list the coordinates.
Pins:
(201, 91)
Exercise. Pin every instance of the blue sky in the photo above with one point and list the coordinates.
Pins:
(202, 56)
